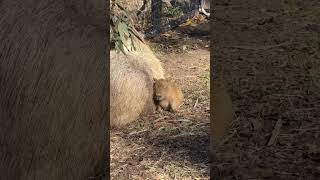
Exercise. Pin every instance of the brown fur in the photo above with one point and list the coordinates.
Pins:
(131, 83)
(148, 58)
(167, 95)
(130, 89)
(52, 89)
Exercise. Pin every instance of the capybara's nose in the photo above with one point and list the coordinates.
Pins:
(158, 98)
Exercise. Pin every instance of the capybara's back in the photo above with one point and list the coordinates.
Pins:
(52, 91)
(147, 58)
(130, 89)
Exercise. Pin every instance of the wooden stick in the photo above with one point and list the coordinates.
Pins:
(275, 132)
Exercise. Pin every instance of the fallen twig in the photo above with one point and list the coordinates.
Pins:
(136, 132)
(275, 132)
(179, 120)
(160, 119)
(259, 47)
(196, 103)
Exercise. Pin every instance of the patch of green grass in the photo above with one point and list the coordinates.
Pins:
(173, 11)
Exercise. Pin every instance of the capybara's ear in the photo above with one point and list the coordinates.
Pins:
(155, 80)
(168, 77)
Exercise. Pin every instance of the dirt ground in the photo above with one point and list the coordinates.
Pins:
(269, 54)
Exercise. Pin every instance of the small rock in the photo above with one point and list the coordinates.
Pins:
(184, 47)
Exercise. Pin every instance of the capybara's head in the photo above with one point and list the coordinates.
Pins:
(160, 89)
(167, 95)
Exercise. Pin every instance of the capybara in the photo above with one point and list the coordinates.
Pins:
(167, 95)
(131, 83)
(53, 89)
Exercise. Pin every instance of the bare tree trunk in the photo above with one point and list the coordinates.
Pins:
(156, 9)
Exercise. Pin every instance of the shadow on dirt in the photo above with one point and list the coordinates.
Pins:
(180, 147)
(194, 147)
